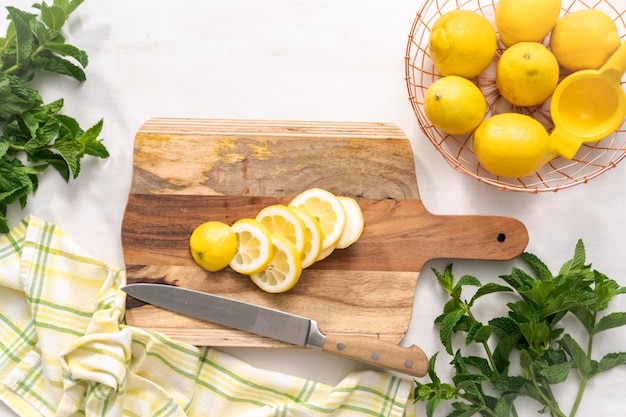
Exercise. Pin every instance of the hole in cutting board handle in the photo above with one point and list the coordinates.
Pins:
(501, 237)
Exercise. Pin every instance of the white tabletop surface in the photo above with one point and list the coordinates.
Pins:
(320, 60)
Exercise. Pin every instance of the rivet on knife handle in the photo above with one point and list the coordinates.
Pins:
(407, 360)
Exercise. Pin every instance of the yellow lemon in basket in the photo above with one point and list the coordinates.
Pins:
(584, 39)
(526, 20)
(527, 74)
(455, 105)
(462, 43)
(512, 145)
(213, 245)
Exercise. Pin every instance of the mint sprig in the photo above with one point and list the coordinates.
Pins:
(34, 135)
(532, 334)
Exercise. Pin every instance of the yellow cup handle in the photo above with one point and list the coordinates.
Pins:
(564, 144)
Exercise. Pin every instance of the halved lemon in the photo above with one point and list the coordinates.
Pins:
(284, 269)
(328, 211)
(314, 237)
(283, 221)
(254, 251)
(354, 222)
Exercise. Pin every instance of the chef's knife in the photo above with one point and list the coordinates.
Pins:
(281, 326)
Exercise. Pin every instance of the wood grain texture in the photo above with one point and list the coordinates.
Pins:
(187, 171)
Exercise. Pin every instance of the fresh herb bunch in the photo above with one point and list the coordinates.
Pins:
(34, 135)
(531, 336)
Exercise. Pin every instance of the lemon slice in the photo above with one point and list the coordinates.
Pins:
(254, 251)
(314, 237)
(354, 222)
(328, 211)
(283, 221)
(325, 253)
(284, 269)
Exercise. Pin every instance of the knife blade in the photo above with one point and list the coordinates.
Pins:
(280, 325)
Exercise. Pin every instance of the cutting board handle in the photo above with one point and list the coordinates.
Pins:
(478, 237)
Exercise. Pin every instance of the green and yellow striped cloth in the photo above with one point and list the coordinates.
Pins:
(65, 351)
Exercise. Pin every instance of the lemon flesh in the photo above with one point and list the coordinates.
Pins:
(283, 271)
(282, 220)
(526, 20)
(213, 245)
(512, 145)
(328, 211)
(254, 251)
(314, 237)
(462, 43)
(354, 222)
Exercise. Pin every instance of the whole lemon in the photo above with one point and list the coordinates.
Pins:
(584, 39)
(512, 145)
(454, 104)
(213, 245)
(527, 74)
(526, 20)
(462, 43)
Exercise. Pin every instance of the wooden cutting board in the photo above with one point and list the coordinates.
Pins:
(188, 171)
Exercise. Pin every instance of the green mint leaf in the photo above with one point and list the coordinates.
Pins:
(577, 262)
(65, 49)
(610, 361)
(90, 142)
(503, 326)
(58, 65)
(464, 410)
(43, 136)
(581, 361)
(539, 268)
(555, 374)
(54, 160)
(70, 152)
(53, 16)
(432, 374)
(504, 406)
(537, 334)
(431, 405)
(467, 280)
(585, 316)
(518, 279)
(4, 147)
(605, 290)
(488, 288)
(446, 328)
(445, 279)
(610, 321)
(481, 364)
(23, 35)
(16, 97)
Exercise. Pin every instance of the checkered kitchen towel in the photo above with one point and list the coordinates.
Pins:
(64, 351)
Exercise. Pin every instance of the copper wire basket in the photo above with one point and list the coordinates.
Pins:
(591, 160)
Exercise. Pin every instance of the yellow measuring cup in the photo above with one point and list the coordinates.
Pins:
(588, 105)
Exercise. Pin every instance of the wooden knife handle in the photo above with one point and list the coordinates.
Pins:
(407, 360)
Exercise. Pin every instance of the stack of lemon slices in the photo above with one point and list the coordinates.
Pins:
(274, 247)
